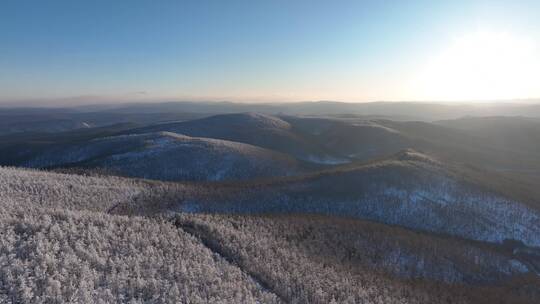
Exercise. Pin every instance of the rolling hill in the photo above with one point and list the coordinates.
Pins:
(351, 140)
(506, 133)
(327, 141)
(251, 128)
(511, 164)
(171, 157)
(411, 190)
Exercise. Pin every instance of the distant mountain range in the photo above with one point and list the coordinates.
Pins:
(33, 119)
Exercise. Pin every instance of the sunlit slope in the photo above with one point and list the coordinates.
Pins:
(24, 189)
(51, 255)
(28, 189)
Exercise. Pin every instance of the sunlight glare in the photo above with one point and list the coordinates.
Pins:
(483, 66)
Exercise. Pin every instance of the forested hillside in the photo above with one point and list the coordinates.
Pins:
(62, 244)
(410, 190)
(51, 256)
(316, 259)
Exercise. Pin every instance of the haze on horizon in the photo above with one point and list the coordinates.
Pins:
(274, 51)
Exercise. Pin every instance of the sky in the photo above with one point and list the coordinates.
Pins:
(88, 51)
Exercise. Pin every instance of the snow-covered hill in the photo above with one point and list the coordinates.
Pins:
(410, 190)
(26, 189)
(252, 128)
(172, 157)
(318, 140)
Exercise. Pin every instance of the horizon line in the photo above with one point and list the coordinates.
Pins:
(65, 102)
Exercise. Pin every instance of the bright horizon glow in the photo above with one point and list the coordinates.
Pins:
(74, 52)
(484, 66)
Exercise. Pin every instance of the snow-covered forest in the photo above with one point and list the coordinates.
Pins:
(65, 239)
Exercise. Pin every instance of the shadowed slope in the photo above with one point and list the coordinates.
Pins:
(172, 157)
(411, 190)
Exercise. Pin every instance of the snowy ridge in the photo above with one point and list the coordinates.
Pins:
(256, 129)
(170, 156)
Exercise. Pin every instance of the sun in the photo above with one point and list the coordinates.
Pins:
(483, 66)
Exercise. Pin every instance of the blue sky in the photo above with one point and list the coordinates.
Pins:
(242, 50)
